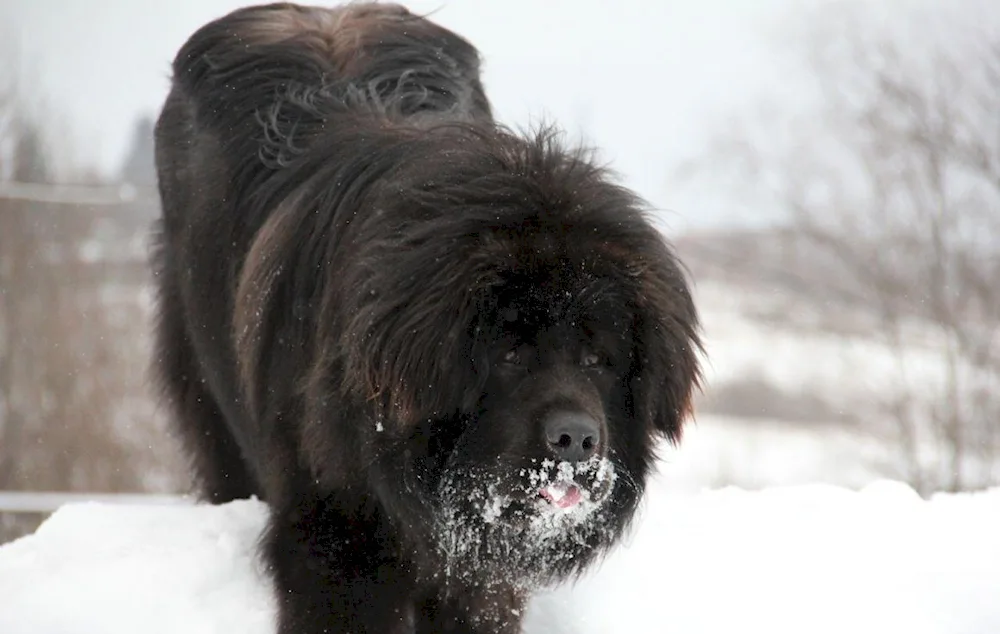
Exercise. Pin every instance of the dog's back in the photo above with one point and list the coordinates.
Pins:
(251, 91)
(359, 55)
(264, 80)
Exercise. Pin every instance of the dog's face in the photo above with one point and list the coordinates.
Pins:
(535, 478)
(557, 357)
(543, 463)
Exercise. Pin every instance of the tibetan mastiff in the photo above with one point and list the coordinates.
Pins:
(441, 351)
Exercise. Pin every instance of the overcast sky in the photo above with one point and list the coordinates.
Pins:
(642, 79)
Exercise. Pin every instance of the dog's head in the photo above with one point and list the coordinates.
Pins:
(528, 335)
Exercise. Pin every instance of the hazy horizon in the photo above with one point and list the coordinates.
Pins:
(647, 83)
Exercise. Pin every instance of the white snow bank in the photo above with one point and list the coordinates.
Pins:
(96, 567)
(794, 559)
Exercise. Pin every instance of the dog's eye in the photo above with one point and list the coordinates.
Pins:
(515, 356)
(520, 356)
(590, 359)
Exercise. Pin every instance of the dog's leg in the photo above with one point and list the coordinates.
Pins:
(219, 469)
(496, 610)
(336, 572)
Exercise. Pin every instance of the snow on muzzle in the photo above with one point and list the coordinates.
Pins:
(565, 486)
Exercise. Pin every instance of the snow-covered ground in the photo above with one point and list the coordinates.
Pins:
(787, 559)
(720, 451)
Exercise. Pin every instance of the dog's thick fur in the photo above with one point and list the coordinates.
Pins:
(374, 304)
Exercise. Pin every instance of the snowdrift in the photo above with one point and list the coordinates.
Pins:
(788, 559)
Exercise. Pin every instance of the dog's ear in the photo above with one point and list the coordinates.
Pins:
(262, 292)
(413, 344)
(666, 369)
(665, 378)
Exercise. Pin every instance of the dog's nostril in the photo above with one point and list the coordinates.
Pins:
(572, 436)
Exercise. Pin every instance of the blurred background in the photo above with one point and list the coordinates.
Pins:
(829, 172)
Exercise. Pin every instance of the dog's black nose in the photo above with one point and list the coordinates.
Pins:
(572, 436)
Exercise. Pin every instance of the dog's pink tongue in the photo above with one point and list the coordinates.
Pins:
(562, 494)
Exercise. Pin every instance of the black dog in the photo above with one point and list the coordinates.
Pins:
(442, 352)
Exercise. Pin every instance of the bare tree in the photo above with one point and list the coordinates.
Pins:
(892, 181)
(75, 408)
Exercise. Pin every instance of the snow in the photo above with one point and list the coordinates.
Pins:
(97, 567)
(720, 451)
(815, 558)
(795, 559)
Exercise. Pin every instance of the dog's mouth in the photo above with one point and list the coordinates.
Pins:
(565, 486)
(563, 495)
(544, 488)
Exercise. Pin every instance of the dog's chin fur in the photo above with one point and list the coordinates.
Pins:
(497, 526)
(372, 296)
